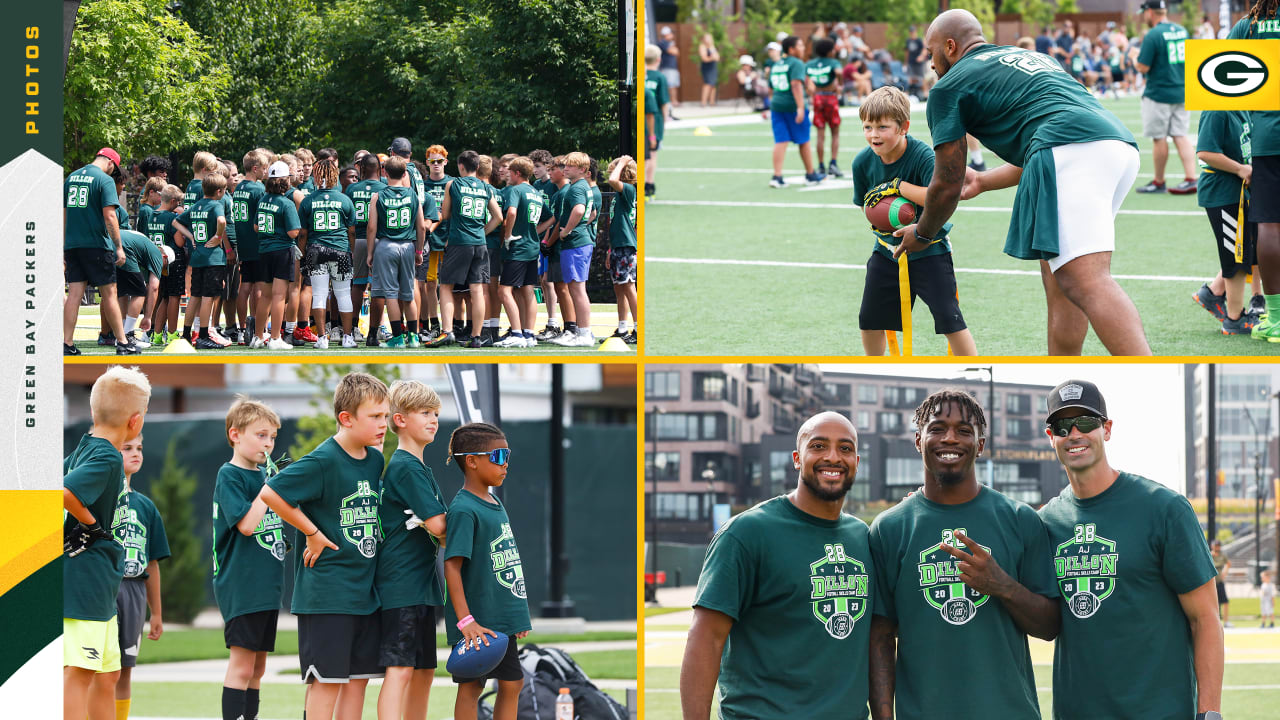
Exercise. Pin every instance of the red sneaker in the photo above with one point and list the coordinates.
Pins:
(305, 334)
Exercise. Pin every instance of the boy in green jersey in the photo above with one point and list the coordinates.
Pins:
(823, 82)
(297, 326)
(173, 282)
(137, 285)
(493, 174)
(782, 614)
(543, 165)
(395, 233)
(249, 546)
(575, 242)
(482, 568)
(306, 161)
(790, 112)
(1162, 58)
(412, 515)
(1129, 556)
(332, 492)
(202, 164)
(93, 562)
(277, 226)
(225, 304)
(204, 225)
(656, 83)
(245, 200)
(1222, 147)
(152, 198)
(434, 184)
(519, 274)
(621, 260)
(471, 211)
(328, 230)
(361, 192)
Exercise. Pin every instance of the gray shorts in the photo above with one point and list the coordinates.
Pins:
(1162, 120)
(131, 613)
(360, 259)
(673, 77)
(464, 265)
(392, 273)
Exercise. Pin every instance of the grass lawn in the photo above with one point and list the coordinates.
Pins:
(653, 611)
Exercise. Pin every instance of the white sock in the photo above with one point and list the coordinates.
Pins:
(622, 325)
(289, 326)
(975, 157)
(129, 324)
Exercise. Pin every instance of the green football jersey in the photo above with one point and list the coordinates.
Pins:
(915, 167)
(244, 211)
(1164, 52)
(780, 76)
(160, 229)
(406, 572)
(1264, 126)
(228, 209)
(479, 531)
(655, 82)
(194, 191)
(1122, 558)
(494, 239)
(202, 220)
(86, 193)
(824, 72)
(528, 203)
(141, 532)
(622, 218)
(140, 254)
(799, 589)
(583, 234)
(339, 493)
(361, 193)
(145, 213)
(415, 182)
(470, 199)
(94, 473)
(435, 188)
(397, 214)
(918, 586)
(309, 185)
(277, 215)
(328, 216)
(1226, 132)
(122, 218)
(1017, 102)
(248, 570)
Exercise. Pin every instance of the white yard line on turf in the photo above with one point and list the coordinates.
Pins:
(763, 147)
(844, 266)
(845, 206)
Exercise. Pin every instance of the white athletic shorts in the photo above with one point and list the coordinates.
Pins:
(1093, 179)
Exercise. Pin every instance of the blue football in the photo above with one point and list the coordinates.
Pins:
(477, 662)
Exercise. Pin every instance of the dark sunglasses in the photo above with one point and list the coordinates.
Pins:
(1085, 423)
(436, 162)
(497, 457)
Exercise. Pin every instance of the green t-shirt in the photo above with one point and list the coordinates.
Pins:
(194, 192)
(328, 215)
(339, 493)
(228, 209)
(202, 220)
(140, 254)
(494, 239)
(583, 234)
(622, 218)
(470, 199)
(415, 181)
(492, 576)
(397, 214)
(160, 229)
(141, 532)
(940, 618)
(1017, 102)
(1122, 558)
(799, 590)
(145, 212)
(277, 215)
(122, 218)
(915, 167)
(94, 473)
(528, 203)
(1164, 52)
(244, 211)
(361, 193)
(781, 74)
(824, 72)
(87, 192)
(1264, 126)
(1226, 132)
(650, 108)
(406, 573)
(248, 570)
(655, 82)
(435, 188)
(308, 185)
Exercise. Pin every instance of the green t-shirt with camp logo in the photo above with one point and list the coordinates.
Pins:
(470, 206)
(244, 212)
(140, 254)
(141, 532)
(494, 239)
(202, 220)
(918, 586)
(528, 202)
(308, 185)
(145, 212)
(435, 188)
(160, 229)
(915, 167)
(799, 589)
(85, 193)
(328, 216)
(622, 218)
(1122, 558)
(1016, 102)
(415, 181)
(824, 72)
(122, 218)
(339, 493)
(1164, 52)
(194, 191)
(406, 573)
(492, 576)
(94, 473)
(397, 214)
(655, 82)
(583, 234)
(248, 570)
(277, 215)
(361, 193)
(780, 76)
(1226, 132)
(1264, 126)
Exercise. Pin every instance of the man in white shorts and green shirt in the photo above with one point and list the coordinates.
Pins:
(1052, 134)
(1164, 114)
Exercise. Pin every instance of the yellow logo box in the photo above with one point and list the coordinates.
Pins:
(1233, 74)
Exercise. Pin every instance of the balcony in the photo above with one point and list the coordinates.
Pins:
(753, 410)
(777, 388)
(785, 423)
(824, 395)
(757, 373)
(806, 375)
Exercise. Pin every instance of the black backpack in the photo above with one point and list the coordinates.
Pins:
(546, 670)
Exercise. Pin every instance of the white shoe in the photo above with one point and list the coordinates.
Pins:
(584, 339)
(335, 332)
(356, 334)
(255, 342)
(513, 341)
(278, 344)
(384, 333)
(322, 342)
(531, 342)
(140, 339)
(349, 341)
(564, 339)
(217, 337)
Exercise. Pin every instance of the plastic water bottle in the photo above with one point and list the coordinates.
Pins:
(564, 705)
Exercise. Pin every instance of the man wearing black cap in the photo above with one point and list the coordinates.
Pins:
(1164, 114)
(1130, 557)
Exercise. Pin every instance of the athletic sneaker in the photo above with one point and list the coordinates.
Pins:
(335, 332)
(1240, 326)
(441, 340)
(564, 339)
(70, 349)
(1186, 187)
(305, 334)
(978, 166)
(1152, 187)
(549, 333)
(141, 342)
(217, 337)
(414, 340)
(349, 341)
(814, 177)
(776, 182)
(398, 341)
(322, 343)
(1258, 305)
(618, 334)
(630, 339)
(107, 339)
(585, 339)
(531, 342)
(1266, 330)
(483, 341)
(834, 170)
(256, 342)
(474, 343)
(384, 333)
(1215, 304)
(279, 344)
(511, 341)
(131, 349)
(205, 343)
(356, 334)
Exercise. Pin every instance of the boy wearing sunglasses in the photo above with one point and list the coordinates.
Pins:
(1129, 556)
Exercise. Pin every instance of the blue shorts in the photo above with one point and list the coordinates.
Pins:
(575, 263)
(786, 129)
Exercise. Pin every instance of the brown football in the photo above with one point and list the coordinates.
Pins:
(891, 213)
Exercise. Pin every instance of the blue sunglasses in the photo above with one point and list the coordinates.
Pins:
(497, 457)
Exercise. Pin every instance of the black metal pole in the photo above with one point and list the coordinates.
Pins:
(1211, 455)
(626, 115)
(558, 603)
(1257, 521)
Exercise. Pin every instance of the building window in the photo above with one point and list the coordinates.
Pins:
(864, 420)
(1019, 429)
(681, 506)
(688, 426)
(668, 464)
(661, 384)
(842, 393)
(780, 469)
(888, 422)
(868, 393)
(899, 472)
(710, 386)
(1018, 404)
(714, 467)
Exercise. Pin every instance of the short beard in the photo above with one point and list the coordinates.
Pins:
(948, 479)
(823, 494)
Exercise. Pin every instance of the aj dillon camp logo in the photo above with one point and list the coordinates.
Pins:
(839, 589)
(940, 581)
(1233, 75)
(1086, 569)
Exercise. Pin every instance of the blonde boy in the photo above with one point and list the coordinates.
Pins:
(621, 260)
(204, 225)
(577, 240)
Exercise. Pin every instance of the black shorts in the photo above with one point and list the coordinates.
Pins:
(207, 282)
(232, 286)
(518, 273)
(254, 631)
(553, 268)
(131, 284)
(464, 265)
(1223, 220)
(408, 637)
(508, 667)
(277, 265)
(933, 279)
(1222, 593)
(95, 266)
(252, 271)
(338, 648)
(496, 259)
(1264, 207)
(174, 283)
(325, 260)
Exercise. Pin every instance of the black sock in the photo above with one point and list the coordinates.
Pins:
(232, 704)
(397, 327)
(251, 704)
(204, 333)
(412, 325)
(570, 327)
(433, 323)
(186, 333)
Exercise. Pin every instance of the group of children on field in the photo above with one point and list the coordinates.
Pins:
(364, 538)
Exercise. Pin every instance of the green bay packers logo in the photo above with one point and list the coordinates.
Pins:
(1086, 569)
(1232, 73)
(940, 581)
(270, 535)
(359, 519)
(505, 560)
(839, 588)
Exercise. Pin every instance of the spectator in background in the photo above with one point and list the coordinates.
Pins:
(1205, 31)
(709, 64)
(754, 89)
(857, 44)
(1044, 41)
(857, 79)
(917, 55)
(1026, 42)
(1066, 39)
(669, 66)
(1221, 563)
(844, 49)
(819, 32)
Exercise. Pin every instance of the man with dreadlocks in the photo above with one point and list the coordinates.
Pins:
(783, 601)
(328, 232)
(962, 573)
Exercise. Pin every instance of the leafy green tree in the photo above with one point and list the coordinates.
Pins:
(922, 12)
(186, 570)
(764, 20)
(320, 425)
(138, 79)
